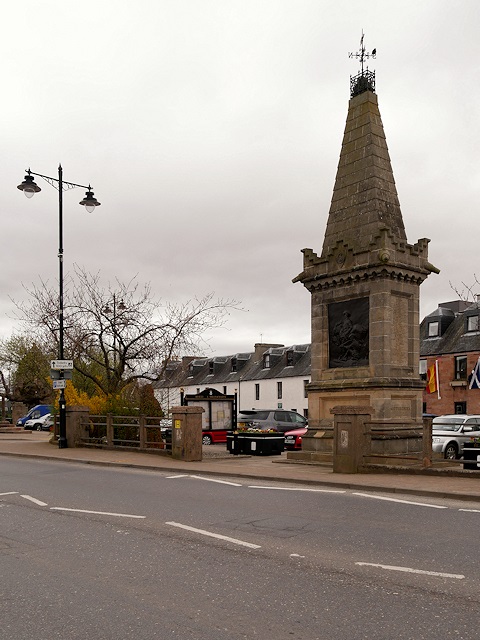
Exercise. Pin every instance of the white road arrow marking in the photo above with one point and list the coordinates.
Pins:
(39, 502)
(417, 504)
(214, 535)
(233, 484)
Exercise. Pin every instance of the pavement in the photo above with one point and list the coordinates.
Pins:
(444, 482)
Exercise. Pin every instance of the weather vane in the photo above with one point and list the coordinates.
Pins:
(365, 79)
(362, 55)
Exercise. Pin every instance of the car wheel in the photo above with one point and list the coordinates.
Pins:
(451, 451)
(206, 440)
(38, 427)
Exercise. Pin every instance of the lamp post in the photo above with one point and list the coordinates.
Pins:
(108, 311)
(30, 188)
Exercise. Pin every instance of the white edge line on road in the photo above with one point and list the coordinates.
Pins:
(458, 576)
(8, 493)
(214, 535)
(298, 489)
(100, 513)
(181, 475)
(469, 510)
(233, 484)
(39, 502)
(417, 504)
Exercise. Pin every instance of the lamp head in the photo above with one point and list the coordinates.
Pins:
(29, 186)
(89, 201)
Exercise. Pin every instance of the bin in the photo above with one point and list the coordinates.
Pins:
(471, 458)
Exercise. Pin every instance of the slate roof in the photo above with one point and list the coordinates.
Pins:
(454, 337)
(239, 366)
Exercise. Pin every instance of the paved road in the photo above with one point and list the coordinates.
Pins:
(115, 553)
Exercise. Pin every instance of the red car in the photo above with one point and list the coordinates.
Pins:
(293, 439)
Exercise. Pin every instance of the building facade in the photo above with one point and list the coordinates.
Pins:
(450, 342)
(270, 377)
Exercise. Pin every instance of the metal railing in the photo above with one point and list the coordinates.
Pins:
(134, 432)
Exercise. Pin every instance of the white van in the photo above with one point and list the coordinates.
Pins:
(451, 433)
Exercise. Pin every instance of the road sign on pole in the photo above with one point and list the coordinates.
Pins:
(59, 384)
(61, 364)
(57, 374)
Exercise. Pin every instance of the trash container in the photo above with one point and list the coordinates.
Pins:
(471, 458)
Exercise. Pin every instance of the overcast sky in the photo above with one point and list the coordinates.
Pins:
(210, 131)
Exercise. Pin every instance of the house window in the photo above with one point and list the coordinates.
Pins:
(224, 391)
(210, 368)
(289, 358)
(279, 390)
(433, 329)
(234, 365)
(422, 369)
(305, 413)
(305, 392)
(460, 367)
(460, 407)
(257, 392)
(266, 361)
(472, 323)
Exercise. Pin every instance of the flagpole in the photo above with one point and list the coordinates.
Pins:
(438, 379)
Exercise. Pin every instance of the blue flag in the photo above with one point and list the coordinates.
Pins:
(474, 378)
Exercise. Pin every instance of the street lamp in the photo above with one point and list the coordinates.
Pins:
(121, 307)
(30, 188)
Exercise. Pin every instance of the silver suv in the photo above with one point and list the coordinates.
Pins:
(451, 433)
(279, 419)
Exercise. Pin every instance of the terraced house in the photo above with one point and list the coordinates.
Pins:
(270, 377)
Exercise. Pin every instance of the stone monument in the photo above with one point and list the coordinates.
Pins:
(364, 289)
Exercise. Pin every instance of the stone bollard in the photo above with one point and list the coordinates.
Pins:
(187, 433)
(77, 425)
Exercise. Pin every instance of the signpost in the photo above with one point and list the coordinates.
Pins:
(59, 384)
(61, 364)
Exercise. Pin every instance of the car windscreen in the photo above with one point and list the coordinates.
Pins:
(253, 415)
(447, 424)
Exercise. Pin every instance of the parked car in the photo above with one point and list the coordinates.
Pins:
(44, 423)
(293, 439)
(278, 419)
(450, 433)
(36, 412)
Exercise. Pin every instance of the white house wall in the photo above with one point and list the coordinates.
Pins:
(293, 394)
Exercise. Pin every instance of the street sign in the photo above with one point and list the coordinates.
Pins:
(59, 384)
(61, 364)
(66, 375)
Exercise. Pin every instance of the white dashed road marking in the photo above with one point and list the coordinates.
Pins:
(298, 489)
(457, 576)
(99, 513)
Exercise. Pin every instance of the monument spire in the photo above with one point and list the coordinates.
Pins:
(364, 198)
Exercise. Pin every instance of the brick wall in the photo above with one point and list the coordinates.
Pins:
(451, 390)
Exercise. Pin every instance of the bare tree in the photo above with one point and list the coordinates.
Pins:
(134, 343)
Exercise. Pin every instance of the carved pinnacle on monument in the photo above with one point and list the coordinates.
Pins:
(365, 80)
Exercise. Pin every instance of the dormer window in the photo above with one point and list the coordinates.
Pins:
(234, 365)
(211, 368)
(266, 361)
(433, 329)
(289, 358)
(472, 323)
